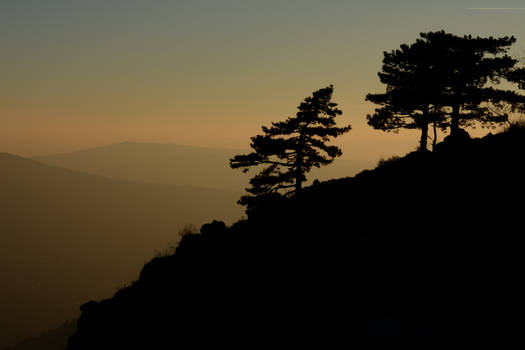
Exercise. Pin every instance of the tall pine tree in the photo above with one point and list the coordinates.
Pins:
(410, 101)
(289, 149)
(445, 79)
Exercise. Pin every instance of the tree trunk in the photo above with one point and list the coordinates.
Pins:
(434, 140)
(299, 172)
(454, 124)
(424, 132)
(298, 184)
(424, 137)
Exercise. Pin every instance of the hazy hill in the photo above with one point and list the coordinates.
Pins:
(424, 250)
(67, 237)
(176, 164)
(55, 339)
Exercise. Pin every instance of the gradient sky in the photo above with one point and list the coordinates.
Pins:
(84, 73)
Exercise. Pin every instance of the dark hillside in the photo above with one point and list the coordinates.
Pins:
(424, 249)
(67, 237)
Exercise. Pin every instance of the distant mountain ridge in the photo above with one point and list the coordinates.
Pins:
(155, 163)
(177, 164)
(67, 236)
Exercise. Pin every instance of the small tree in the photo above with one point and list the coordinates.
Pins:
(289, 149)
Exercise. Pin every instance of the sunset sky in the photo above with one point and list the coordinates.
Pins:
(83, 73)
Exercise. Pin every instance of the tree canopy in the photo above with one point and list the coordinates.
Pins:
(289, 149)
(447, 80)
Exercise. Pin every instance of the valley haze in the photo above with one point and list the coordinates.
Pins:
(76, 226)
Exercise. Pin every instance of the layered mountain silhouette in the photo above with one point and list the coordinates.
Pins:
(68, 237)
(424, 250)
(177, 165)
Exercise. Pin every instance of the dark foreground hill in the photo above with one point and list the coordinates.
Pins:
(68, 237)
(425, 250)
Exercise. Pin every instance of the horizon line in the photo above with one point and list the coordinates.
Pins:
(496, 8)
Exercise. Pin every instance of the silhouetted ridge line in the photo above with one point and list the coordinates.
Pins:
(424, 249)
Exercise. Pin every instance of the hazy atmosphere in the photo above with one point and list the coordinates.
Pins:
(127, 129)
(80, 74)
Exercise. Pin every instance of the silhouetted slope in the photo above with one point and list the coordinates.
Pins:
(55, 339)
(67, 237)
(175, 164)
(425, 250)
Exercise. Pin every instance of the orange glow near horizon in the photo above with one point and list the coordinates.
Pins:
(76, 78)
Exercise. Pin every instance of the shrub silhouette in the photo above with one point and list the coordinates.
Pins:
(383, 161)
